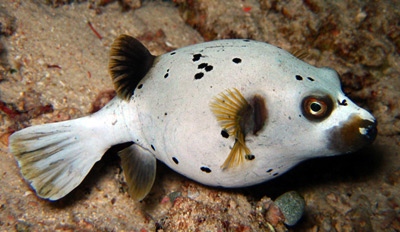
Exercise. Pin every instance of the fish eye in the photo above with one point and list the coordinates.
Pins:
(317, 108)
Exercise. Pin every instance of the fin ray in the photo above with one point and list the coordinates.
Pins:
(301, 54)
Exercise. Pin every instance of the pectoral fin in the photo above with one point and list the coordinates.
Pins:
(233, 112)
(139, 167)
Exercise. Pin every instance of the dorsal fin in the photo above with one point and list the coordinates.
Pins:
(129, 63)
(301, 54)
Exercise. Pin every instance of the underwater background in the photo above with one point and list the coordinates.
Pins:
(54, 66)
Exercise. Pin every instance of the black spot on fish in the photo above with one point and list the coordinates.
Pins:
(175, 160)
(246, 40)
(269, 170)
(198, 76)
(167, 74)
(275, 174)
(299, 78)
(196, 57)
(165, 113)
(310, 78)
(172, 53)
(152, 147)
(205, 66)
(205, 169)
(140, 86)
(225, 133)
(209, 68)
(249, 157)
(202, 65)
(342, 103)
(237, 60)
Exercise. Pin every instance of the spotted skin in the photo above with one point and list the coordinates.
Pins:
(254, 68)
(289, 112)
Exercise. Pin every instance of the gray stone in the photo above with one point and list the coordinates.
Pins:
(292, 206)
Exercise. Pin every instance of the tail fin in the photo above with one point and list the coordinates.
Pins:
(54, 158)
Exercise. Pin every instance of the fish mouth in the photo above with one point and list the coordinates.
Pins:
(352, 134)
(370, 131)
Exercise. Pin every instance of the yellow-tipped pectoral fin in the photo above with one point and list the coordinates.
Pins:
(230, 109)
(237, 155)
(234, 157)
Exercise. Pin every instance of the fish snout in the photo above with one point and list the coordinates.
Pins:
(353, 134)
(369, 130)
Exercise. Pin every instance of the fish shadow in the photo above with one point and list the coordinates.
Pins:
(109, 164)
(354, 167)
(348, 168)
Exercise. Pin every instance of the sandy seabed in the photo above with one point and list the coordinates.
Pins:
(54, 59)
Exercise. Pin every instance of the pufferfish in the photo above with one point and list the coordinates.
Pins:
(228, 113)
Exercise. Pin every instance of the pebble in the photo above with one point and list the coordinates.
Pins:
(292, 206)
(174, 195)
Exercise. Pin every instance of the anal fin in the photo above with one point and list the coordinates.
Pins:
(139, 167)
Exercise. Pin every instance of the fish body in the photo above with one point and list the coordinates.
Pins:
(228, 113)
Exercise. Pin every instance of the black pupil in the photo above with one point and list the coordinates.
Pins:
(315, 107)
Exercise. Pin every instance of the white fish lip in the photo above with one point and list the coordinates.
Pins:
(353, 134)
